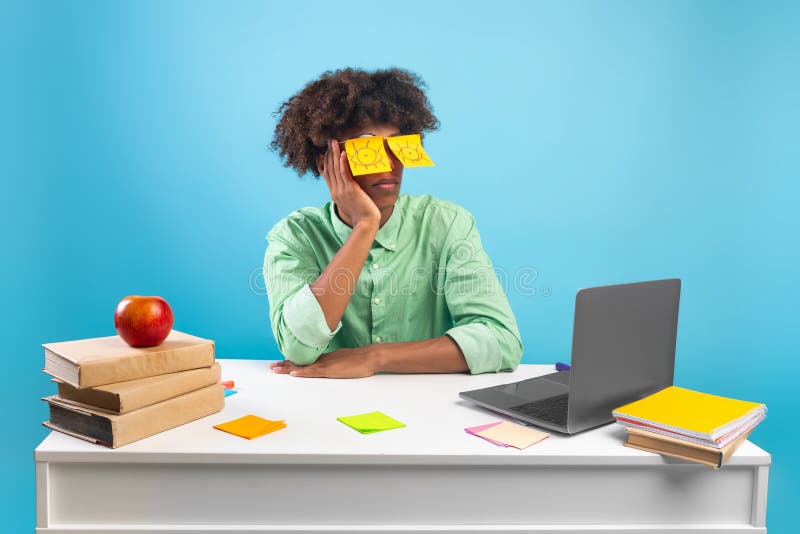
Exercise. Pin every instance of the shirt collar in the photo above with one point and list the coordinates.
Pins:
(388, 233)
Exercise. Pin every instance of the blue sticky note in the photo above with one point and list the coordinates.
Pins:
(229, 392)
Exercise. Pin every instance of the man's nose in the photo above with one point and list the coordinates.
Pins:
(393, 161)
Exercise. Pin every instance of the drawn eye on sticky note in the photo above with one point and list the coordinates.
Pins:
(367, 155)
(408, 149)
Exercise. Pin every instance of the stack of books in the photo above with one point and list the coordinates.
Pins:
(688, 424)
(113, 394)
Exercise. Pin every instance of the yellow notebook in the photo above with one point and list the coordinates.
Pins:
(691, 412)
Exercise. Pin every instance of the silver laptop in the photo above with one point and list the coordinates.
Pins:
(623, 349)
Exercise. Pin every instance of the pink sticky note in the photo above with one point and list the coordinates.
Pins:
(519, 436)
(480, 428)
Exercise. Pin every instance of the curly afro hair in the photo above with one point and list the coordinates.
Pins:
(343, 99)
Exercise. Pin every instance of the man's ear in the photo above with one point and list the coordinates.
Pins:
(321, 163)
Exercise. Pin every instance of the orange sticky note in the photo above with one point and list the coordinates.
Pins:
(250, 426)
(367, 155)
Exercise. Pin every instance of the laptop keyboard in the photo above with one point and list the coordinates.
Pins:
(552, 409)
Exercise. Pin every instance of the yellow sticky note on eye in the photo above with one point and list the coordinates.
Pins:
(250, 426)
(408, 149)
(367, 155)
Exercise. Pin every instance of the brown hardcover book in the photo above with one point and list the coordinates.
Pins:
(106, 360)
(117, 430)
(686, 450)
(124, 397)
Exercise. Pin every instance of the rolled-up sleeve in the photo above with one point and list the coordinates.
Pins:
(296, 317)
(484, 326)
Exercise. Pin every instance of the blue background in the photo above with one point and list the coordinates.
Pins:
(595, 142)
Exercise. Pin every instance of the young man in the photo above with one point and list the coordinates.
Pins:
(374, 280)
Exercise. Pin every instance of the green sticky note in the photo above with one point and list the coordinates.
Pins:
(368, 423)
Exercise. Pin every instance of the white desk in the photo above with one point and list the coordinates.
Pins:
(318, 475)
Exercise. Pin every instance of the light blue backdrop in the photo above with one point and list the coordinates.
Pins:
(595, 142)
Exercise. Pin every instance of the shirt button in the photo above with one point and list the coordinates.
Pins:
(392, 246)
(376, 301)
(374, 266)
(378, 339)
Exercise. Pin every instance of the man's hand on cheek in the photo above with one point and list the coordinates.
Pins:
(352, 202)
(342, 363)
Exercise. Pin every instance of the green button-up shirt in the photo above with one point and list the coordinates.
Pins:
(426, 275)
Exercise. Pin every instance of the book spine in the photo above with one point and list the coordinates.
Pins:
(171, 385)
(106, 400)
(683, 454)
(728, 451)
(140, 365)
(124, 397)
(168, 414)
(711, 456)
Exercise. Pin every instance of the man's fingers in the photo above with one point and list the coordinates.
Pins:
(289, 368)
(335, 152)
(283, 368)
(343, 167)
(330, 170)
(309, 371)
(347, 175)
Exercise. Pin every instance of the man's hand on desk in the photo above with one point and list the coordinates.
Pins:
(437, 355)
(342, 363)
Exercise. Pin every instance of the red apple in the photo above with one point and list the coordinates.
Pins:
(143, 321)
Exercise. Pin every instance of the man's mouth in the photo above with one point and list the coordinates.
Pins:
(386, 184)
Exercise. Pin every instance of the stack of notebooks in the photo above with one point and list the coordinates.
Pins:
(688, 424)
(113, 394)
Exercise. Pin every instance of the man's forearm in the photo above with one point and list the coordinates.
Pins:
(437, 355)
(335, 285)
